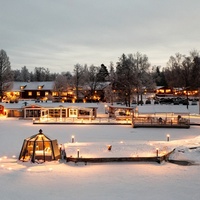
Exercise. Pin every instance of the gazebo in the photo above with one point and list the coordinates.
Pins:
(39, 148)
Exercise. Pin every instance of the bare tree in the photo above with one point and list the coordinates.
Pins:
(5, 71)
(132, 72)
(183, 71)
(61, 84)
(141, 73)
(78, 78)
(92, 79)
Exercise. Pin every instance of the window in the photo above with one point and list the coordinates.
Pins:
(46, 93)
(72, 113)
(38, 93)
(29, 93)
(40, 87)
(168, 90)
(54, 93)
(22, 87)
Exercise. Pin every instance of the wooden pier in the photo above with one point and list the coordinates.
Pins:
(157, 159)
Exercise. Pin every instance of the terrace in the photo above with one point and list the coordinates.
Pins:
(161, 117)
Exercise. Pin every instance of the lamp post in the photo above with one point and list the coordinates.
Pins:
(168, 136)
(106, 109)
(72, 138)
(109, 147)
(78, 151)
(156, 152)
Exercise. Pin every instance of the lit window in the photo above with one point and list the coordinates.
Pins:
(38, 93)
(40, 87)
(29, 93)
(72, 112)
(46, 93)
(162, 91)
(22, 87)
(54, 93)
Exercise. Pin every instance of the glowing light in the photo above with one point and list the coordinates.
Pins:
(2, 165)
(78, 151)
(72, 138)
(50, 169)
(5, 157)
(157, 152)
(121, 142)
(168, 136)
(109, 147)
(14, 156)
(10, 168)
(29, 169)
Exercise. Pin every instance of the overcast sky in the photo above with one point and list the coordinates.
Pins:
(59, 34)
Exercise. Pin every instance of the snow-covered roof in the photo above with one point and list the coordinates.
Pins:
(163, 109)
(49, 104)
(99, 86)
(18, 86)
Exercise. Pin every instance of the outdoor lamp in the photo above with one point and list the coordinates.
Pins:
(72, 138)
(156, 152)
(168, 136)
(78, 153)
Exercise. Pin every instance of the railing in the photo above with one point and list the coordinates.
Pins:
(75, 120)
(156, 122)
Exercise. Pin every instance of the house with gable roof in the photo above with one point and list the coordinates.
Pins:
(29, 90)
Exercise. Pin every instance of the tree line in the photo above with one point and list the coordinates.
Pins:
(131, 74)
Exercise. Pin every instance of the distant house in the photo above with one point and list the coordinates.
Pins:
(29, 90)
(98, 94)
(164, 91)
(46, 90)
(177, 92)
(30, 110)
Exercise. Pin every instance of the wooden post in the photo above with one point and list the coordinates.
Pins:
(78, 151)
(72, 139)
(156, 152)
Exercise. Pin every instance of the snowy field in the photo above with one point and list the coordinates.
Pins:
(109, 181)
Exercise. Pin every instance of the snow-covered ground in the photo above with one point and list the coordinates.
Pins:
(60, 180)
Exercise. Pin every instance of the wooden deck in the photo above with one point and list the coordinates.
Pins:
(156, 159)
(157, 125)
(149, 123)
